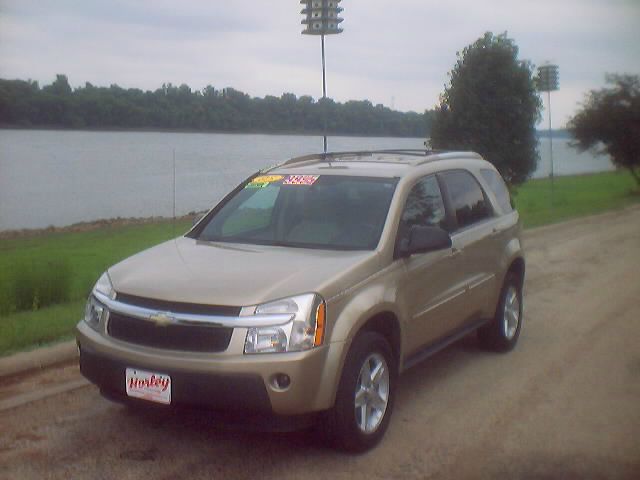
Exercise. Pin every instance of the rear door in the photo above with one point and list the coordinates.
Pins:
(473, 237)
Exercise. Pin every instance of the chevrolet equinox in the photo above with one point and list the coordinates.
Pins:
(310, 287)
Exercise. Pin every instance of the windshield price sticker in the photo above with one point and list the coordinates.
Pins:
(155, 387)
(267, 179)
(300, 179)
(263, 180)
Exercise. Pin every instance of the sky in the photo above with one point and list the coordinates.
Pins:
(397, 53)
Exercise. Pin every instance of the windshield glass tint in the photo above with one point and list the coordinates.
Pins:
(312, 211)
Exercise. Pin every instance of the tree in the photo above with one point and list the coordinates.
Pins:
(491, 106)
(609, 122)
(57, 104)
(60, 86)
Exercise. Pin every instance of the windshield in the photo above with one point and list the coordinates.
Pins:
(308, 211)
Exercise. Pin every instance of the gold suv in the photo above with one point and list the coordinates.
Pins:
(310, 287)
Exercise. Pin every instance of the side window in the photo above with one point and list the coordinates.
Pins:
(424, 207)
(496, 183)
(467, 199)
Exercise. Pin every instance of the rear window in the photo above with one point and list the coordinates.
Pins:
(497, 185)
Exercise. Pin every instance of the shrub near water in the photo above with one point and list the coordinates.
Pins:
(34, 286)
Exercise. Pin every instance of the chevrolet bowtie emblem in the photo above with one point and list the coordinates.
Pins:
(161, 319)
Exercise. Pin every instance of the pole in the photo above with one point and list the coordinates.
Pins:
(324, 98)
(174, 192)
(551, 150)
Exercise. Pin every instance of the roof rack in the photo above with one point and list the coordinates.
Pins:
(413, 152)
(331, 156)
(447, 154)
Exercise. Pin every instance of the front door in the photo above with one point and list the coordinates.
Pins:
(433, 284)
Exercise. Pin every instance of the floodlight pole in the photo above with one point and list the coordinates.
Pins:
(324, 99)
(321, 17)
(547, 81)
(551, 149)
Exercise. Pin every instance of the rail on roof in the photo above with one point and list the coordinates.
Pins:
(415, 152)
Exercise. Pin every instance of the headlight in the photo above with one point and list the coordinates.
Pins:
(104, 286)
(303, 332)
(94, 312)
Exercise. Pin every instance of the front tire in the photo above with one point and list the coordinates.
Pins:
(365, 396)
(501, 335)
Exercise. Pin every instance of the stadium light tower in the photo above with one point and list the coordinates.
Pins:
(547, 81)
(321, 18)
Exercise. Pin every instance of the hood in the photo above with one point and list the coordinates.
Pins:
(187, 270)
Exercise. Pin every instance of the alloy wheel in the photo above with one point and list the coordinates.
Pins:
(372, 393)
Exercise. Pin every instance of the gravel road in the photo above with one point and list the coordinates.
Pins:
(564, 404)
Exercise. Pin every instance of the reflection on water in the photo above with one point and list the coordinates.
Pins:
(63, 177)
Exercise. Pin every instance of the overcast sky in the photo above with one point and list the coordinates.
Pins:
(393, 52)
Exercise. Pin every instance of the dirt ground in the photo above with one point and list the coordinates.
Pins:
(564, 405)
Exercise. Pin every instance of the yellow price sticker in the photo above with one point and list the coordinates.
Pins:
(267, 179)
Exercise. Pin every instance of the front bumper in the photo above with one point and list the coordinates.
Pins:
(221, 381)
(220, 392)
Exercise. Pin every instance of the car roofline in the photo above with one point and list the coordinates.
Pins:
(420, 157)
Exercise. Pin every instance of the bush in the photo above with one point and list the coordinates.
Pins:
(33, 286)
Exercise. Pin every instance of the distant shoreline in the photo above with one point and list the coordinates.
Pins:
(542, 133)
(178, 130)
(559, 133)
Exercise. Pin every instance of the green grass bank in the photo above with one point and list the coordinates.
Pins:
(77, 258)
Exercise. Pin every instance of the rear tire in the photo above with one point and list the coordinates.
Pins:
(365, 396)
(502, 333)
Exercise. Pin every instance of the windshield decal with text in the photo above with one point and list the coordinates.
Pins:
(300, 179)
(263, 180)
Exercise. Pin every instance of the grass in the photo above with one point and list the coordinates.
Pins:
(23, 330)
(85, 254)
(574, 196)
(34, 286)
(88, 254)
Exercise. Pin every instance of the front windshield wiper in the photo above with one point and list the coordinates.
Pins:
(276, 243)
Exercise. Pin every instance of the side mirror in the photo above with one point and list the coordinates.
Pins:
(426, 239)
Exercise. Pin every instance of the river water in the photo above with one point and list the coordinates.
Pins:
(63, 177)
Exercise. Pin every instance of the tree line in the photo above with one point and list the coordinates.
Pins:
(26, 104)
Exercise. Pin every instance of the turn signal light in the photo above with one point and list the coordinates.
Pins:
(321, 313)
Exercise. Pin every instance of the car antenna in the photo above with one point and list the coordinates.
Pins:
(326, 157)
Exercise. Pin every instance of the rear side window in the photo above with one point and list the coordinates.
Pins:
(468, 202)
(496, 183)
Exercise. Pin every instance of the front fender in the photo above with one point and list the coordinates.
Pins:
(352, 312)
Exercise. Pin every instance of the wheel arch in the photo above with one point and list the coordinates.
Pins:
(386, 323)
(517, 266)
(383, 320)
